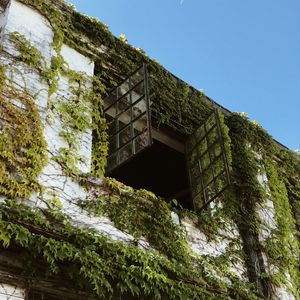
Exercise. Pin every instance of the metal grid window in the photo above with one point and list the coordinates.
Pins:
(207, 162)
(127, 111)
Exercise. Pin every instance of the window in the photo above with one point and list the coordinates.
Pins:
(207, 162)
(127, 111)
(191, 169)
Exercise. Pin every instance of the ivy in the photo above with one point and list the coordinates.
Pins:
(132, 211)
(101, 261)
(282, 246)
(109, 268)
(22, 145)
(288, 166)
(30, 55)
(175, 103)
(248, 139)
(78, 113)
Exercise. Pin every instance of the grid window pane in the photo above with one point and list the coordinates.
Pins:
(207, 162)
(128, 115)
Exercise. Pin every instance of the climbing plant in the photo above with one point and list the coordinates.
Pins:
(133, 211)
(109, 268)
(22, 145)
(253, 151)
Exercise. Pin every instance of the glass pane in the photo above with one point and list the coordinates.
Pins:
(219, 165)
(210, 122)
(123, 88)
(141, 142)
(125, 152)
(195, 171)
(199, 134)
(205, 161)
(216, 151)
(138, 91)
(112, 129)
(125, 135)
(202, 147)
(112, 161)
(212, 135)
(110, 99)
(197, 188)
(193, 158)
(191, 144)
(112, 146)
(124, 119)
(210, 191)
(207, 176)
(140, 124)
(139, 108)
(124, 103)
(221, 181)
(137, 77)
(199, 201)
(112, 111)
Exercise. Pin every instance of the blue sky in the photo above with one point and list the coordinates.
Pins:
(244, 54)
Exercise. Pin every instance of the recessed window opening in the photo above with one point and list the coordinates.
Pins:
(160, 169)
(193, 170)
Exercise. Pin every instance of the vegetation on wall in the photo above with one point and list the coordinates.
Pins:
(80, 112)
(288, 166)
(132, 211)
(175, 103)
(109, 268)
(106, 268)
(22, 145)
(252, 153)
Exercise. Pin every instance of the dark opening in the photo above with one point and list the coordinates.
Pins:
(159, 169)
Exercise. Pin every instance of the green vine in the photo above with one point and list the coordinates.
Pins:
(282, 246)
(106, 268)
(175, 103)
(248, 139)
(133, 211)
(22, 146)
(109, 268)
(82, 110)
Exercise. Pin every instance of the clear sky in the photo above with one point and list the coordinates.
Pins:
(244, 54)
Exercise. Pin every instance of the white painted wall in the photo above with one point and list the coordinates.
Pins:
(10, 292)
(36, 29)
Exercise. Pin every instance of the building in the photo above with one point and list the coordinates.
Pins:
(77, 104)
